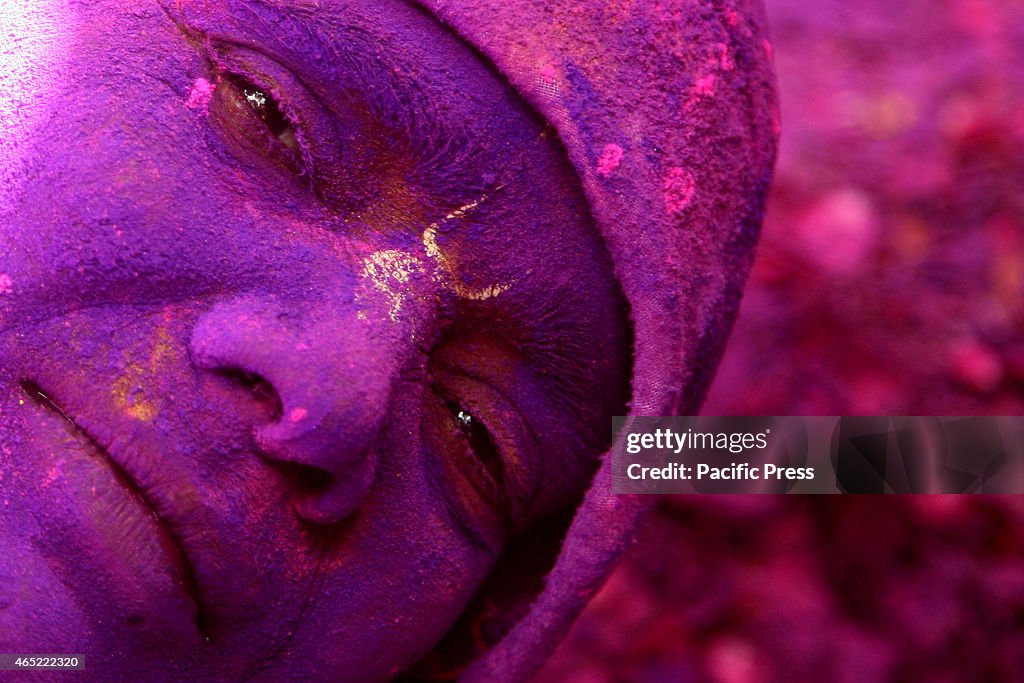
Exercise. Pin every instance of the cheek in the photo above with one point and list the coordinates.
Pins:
(408, 558)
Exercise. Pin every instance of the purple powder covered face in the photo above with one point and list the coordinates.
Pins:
(303, 317)
(310, 327)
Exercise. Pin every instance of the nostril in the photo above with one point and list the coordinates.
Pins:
(303, 479)
(317, 496)
(258, 388)
(314, 387)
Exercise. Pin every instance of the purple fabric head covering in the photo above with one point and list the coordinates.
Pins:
(668, 112)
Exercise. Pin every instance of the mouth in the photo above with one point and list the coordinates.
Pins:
(180, 565)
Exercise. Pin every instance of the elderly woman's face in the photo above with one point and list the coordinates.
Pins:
(302, 315)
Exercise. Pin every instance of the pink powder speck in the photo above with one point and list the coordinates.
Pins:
(548, 72)
(732, 17)
(769, 49)
(678, 189)
(52, 475)
(725, 57)
(610, 159)
(6, 284)
(298, 414)
(201, 94)
(705, 86)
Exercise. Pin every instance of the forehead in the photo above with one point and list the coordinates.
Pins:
(35, 41)
(38, 34)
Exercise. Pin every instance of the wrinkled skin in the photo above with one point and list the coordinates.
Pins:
(235, 344)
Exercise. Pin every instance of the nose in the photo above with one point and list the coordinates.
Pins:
(332, 373)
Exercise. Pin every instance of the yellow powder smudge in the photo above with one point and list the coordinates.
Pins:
(450, 272)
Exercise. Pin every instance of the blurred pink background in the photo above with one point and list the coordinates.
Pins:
(889, 281)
